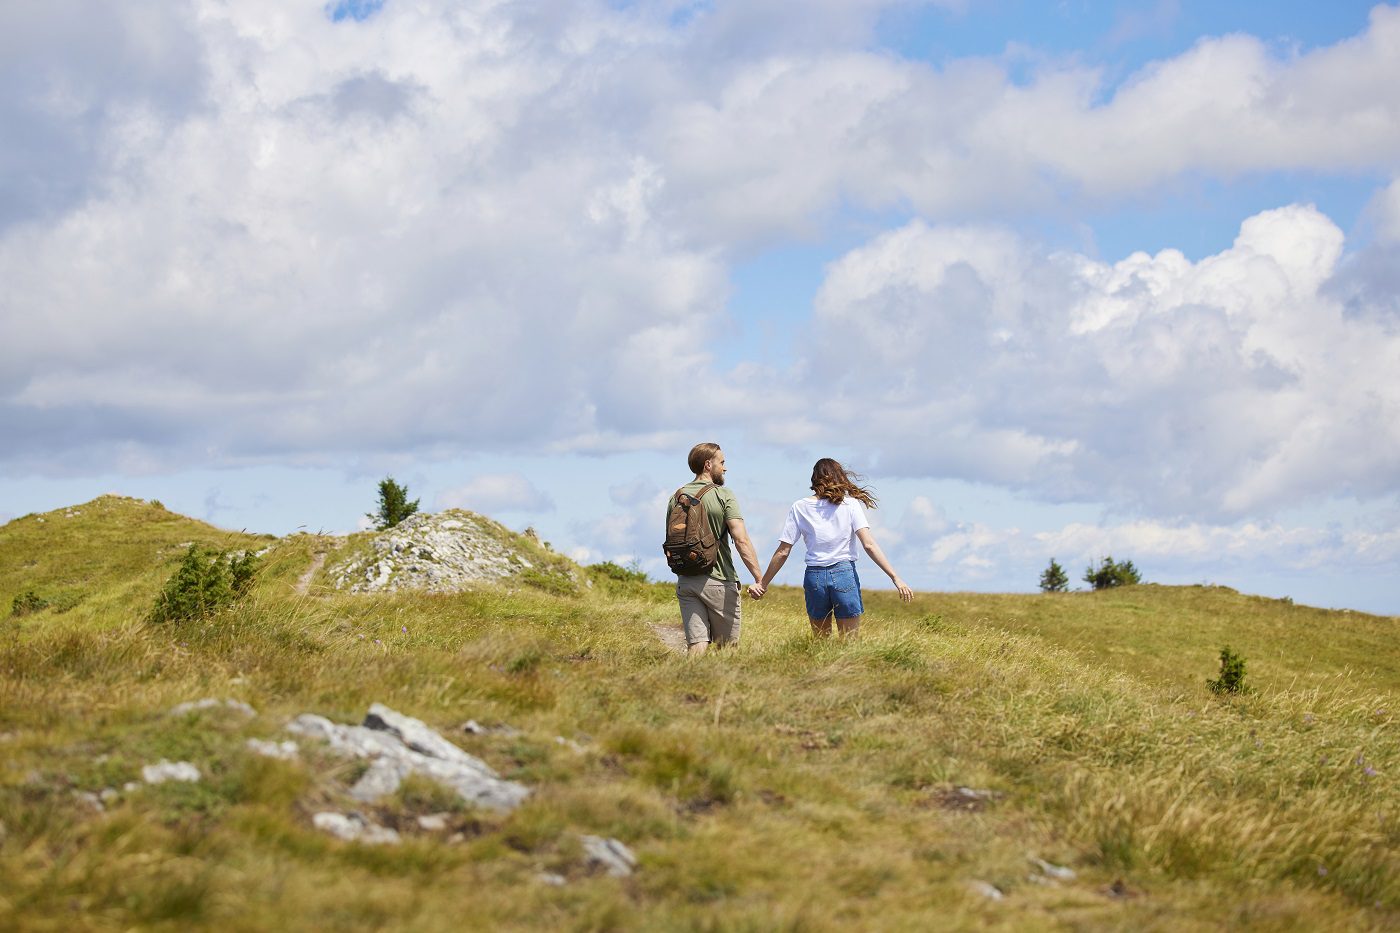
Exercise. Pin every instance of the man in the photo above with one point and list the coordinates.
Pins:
(710, 603)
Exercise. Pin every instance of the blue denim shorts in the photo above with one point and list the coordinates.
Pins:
(835, 587)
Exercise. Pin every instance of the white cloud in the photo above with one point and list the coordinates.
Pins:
(497, 492)
(251, 234)
(1231, 386)
(975, 553)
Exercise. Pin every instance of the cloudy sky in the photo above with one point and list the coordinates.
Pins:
(1063, 280)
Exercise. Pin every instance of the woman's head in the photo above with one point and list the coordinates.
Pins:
(832, 482)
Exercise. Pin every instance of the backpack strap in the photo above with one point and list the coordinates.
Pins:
(676, 497)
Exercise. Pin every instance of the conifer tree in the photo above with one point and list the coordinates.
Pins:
(394, 506)
(1054, 579)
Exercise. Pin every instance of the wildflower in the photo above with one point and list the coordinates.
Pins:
(405, 629)
(1370, 771)
(378, 642)
(1322, 871)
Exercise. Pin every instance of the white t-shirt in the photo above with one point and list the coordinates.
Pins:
(827, 531)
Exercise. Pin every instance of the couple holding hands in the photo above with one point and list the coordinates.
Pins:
(828, 523)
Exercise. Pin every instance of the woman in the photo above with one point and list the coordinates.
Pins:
(829, 523)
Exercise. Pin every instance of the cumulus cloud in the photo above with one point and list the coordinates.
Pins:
(977, 553)
(1230, 386)
(248, 232)
(497, 492)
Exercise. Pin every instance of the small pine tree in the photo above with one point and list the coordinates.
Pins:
(1111, 573)
(1231, 678)
(394, 506)
(1054, 579)
(197, 589)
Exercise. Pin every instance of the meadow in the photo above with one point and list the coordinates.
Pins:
(788, 784)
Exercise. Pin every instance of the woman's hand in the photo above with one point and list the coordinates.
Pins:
(905, 593)
(756, 590)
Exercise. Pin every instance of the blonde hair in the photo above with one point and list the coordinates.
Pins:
(699, 454)
(832, 482)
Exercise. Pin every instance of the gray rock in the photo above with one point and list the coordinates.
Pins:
(988, 890)
(90, 800)
(609, 854)
(1057, 872)
(392, 759)
(353, 827)
(434, 822)
(164, 771)
(212, 703)
(286, 751)
(552, 879)
(445, 552)
(109, 794)
(415, 734)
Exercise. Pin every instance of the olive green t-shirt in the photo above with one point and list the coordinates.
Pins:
(720, 508)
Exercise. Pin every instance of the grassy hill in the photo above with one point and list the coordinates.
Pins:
(790, 784)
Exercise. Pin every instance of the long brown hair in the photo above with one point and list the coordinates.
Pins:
(832, 482)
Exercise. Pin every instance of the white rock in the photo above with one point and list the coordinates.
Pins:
(990, 891)
(354, 828)
(614, 857)
(444, 552)
(393, 760)
(212, 703)
(551, 879)
(164, 771)
(90, 800)
(434, 822)
(1058, 872)
(286, 751)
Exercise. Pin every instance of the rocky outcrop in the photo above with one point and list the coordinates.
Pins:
(398, 746)
(442, 552)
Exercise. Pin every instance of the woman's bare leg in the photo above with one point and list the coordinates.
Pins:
(849, 628)
(821, 627)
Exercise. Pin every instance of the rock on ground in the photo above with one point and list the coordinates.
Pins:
(400, 745)
(353, 827)
(610, 855)
(163, 771)
(440, 552)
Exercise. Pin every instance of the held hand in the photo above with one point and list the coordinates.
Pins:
(756, 590)
(905, 593)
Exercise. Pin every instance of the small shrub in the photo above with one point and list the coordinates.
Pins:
(1054, 579)
(555, 582)
(1112, 573)
(632, 573)
(205, 582)
(28, 602)
(394, 506)
(1231, 678)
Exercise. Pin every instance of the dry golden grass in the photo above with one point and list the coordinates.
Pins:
(790, 784)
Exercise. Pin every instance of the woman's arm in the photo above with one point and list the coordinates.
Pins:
(867, 541)
(780, 557)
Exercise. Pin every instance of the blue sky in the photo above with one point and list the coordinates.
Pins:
(1062, 279)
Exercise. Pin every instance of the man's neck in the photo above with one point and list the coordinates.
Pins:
(702, 478)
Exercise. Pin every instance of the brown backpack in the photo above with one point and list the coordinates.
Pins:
(690, 547)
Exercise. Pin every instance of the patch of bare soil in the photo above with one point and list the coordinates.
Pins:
(304, 581)
(672, 636)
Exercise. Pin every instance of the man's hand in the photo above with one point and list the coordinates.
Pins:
(756, 590)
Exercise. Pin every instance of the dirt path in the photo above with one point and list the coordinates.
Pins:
(671, 636)
(304, 582)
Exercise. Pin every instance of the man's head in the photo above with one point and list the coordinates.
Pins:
(707, 459)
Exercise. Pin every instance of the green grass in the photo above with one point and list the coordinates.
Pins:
(789, 784)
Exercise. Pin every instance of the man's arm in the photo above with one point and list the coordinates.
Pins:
(740, 534)
(780, 557)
